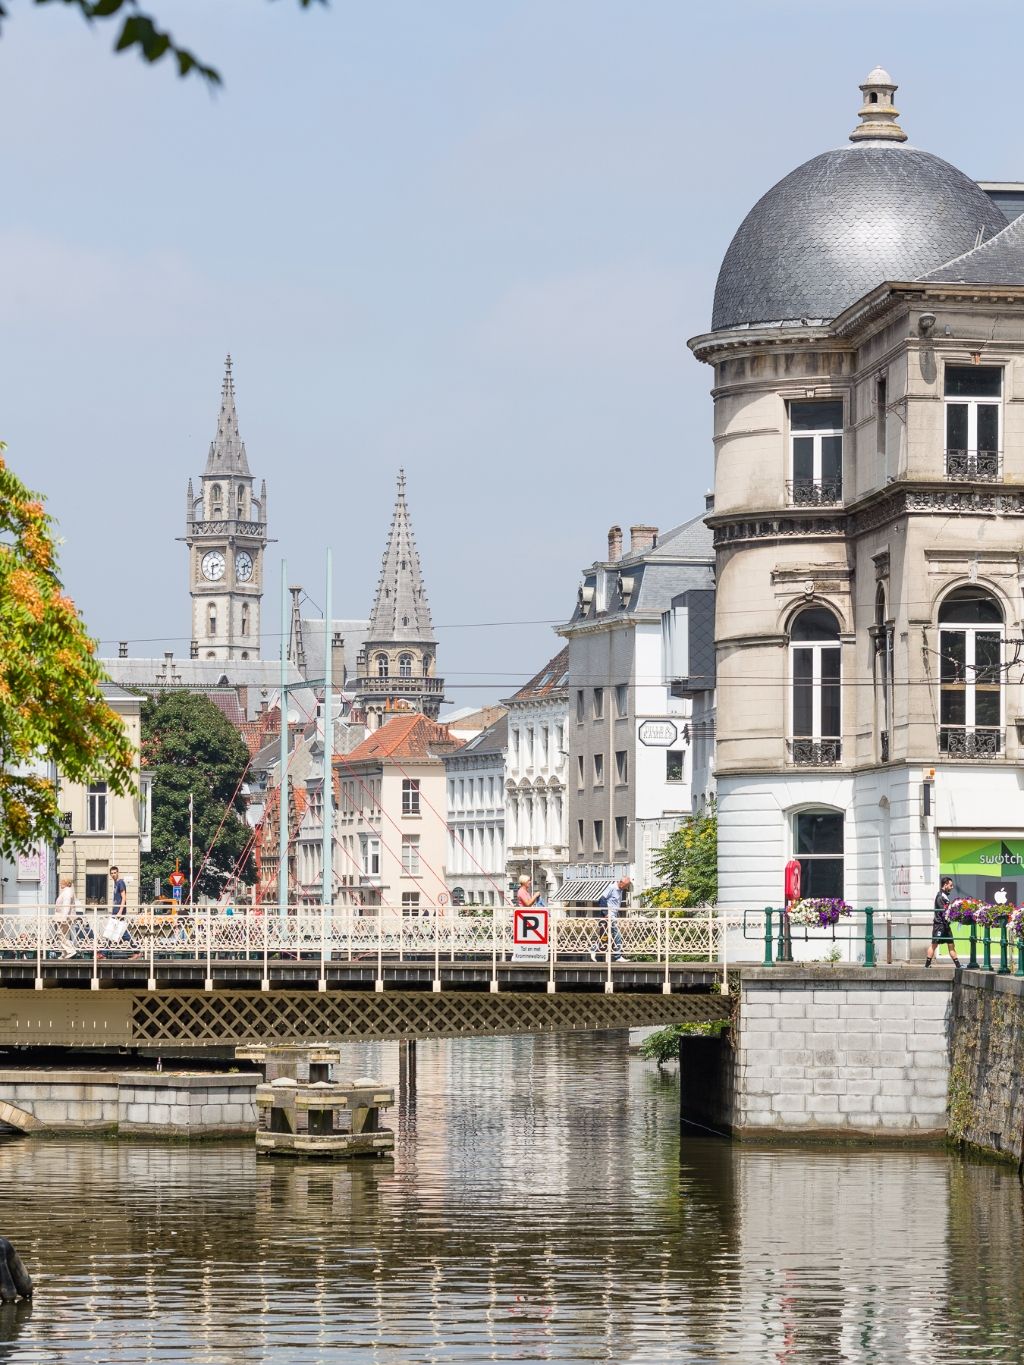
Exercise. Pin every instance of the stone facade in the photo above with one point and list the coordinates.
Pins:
(536, 767)
(868, 518)
(475, 862)
(986, 1079)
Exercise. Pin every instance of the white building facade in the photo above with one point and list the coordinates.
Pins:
(475, 866)
(535, 779)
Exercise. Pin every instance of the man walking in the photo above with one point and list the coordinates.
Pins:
(611, 901)
(942, 930)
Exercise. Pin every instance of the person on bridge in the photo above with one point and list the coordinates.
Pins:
(611, 901)
(942, 930)
(526, 898)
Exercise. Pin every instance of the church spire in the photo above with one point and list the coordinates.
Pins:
(401, 613)
(227, 449)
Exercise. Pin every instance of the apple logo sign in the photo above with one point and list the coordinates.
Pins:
(1000, 896)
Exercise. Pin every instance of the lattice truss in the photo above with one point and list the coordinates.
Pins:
(242, 1017)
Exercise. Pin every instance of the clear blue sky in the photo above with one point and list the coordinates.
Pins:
(468, 237)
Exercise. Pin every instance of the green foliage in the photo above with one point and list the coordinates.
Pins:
(140, 30)
(51, 706)
(663, 1044)
(687, 864)
(191, 747)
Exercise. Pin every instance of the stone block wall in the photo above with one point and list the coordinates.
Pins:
(845, 1052)
(131, 1104)
(986, 1078)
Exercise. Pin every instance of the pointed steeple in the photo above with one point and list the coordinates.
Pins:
(401, 612)
(227, 449)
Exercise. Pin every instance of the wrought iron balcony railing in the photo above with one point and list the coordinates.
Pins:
(974, 466)
(815, 492)
(961, 741)
(816, 753)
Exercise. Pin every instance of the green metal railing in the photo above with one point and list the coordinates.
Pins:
(778, 935)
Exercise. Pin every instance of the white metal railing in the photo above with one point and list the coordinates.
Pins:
(159, 933)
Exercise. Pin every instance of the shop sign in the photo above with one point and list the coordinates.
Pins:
(657, 734)
(988, 869)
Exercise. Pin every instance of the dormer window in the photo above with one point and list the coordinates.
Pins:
(816, 453)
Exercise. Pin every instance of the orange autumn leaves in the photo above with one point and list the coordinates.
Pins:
(51, 708)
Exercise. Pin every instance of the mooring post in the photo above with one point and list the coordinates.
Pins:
(869, 936)
(767, 936)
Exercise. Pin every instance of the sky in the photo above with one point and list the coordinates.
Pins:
(466, 237)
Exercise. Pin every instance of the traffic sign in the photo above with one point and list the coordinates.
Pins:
(530, 935)
(177, 879)
(176, 891)
(443, 899)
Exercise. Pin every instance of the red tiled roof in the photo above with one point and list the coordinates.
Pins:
(228, 705)
(404, 737)
(550, 678)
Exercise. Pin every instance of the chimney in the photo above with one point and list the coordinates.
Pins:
(709, 501)
(614, 543)
(122, 649)
(642, 538)
(337, 658)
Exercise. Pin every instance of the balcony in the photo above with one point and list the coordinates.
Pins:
(959, 741)
(815, 753)
(815, 492)
(974, 466)
(384, 687)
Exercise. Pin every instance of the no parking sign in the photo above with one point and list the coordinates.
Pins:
(530, 935)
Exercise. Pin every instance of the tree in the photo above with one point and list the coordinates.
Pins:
(687, 864)
(51, 706)
(190, 747)
(140, 30)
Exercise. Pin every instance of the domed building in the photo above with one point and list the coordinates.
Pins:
(867, 341)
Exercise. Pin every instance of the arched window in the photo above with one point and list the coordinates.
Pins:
(815, 672)
(426, 665)
(382, 665)
(241, 503)
(211, 621)
(405, 665)
(881, 635)
(215, 503)
(970, 674)
(818, 844)
(245, 618)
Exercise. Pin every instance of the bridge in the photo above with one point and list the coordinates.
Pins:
(209, 978)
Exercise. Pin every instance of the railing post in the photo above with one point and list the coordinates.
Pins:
(666, 985)
(265, 983)
(552, 949)
(435, 985)
(780, 947)
(378, 985)
(151, 983)
(1019, 948)
(1004, 950)
(321, 985)
(986, 948)
(972, 961)
(209, 949)
(869, 936)
(94, 984)
(494, 943)
(40, 939)
(767, 936)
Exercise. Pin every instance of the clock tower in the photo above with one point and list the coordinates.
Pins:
(226, 535)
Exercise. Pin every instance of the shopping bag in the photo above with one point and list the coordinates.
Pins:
(113, 930)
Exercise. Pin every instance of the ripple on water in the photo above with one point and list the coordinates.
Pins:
(540, 1207)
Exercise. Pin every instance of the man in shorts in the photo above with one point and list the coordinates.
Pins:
(942, 930)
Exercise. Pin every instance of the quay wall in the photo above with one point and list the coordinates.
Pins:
(828, 1052)
(986, 1077)
(129, 1104)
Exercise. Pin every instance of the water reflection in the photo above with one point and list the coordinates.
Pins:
(540, 1207)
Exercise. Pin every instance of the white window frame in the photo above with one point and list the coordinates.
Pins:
(97, 812)
(411, 796)
(411, 855)
(970, 684)
(816, 435)
(370, 855)
(972, 405)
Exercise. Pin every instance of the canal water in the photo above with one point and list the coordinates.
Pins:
(541, 1206)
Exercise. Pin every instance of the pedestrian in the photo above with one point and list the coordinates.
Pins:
(526, 897)
(942, 930)
(118, 909)
(611, 901)
(66, 907)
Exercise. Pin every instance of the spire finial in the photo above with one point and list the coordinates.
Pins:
(401, 483)
(878, 115)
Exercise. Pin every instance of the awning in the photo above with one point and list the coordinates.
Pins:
(585, 889)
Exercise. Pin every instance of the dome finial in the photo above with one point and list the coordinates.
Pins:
(878, 115)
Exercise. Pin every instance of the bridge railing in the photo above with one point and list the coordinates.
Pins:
(158, 933)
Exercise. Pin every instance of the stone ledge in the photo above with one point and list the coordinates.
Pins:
(843, 975)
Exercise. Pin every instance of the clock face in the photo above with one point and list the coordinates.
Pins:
(243, 566)
(213, 565)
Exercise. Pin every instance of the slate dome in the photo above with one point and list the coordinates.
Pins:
(847, 220)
